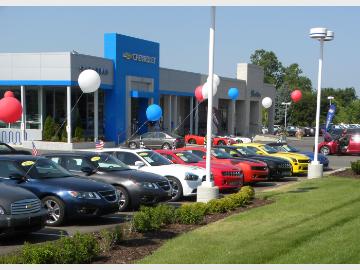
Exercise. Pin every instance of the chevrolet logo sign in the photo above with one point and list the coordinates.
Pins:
(127, 55)
(28, 206)
(139, 58)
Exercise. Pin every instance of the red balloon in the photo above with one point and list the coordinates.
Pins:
(198, 93)
(9, 94)
(296, 95)
(10, 109)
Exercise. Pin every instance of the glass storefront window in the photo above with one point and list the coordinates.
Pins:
(33, 118)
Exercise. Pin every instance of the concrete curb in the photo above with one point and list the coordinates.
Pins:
(337, 170)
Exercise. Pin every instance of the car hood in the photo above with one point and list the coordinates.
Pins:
(311, 155)
(137, 175)
(10, 194)
(75, 183)
(290, 155)
(176, 168)
(217, 165)
(267, 158)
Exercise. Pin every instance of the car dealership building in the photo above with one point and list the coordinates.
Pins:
(131, 79)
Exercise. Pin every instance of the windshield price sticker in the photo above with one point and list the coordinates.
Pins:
(179, 154)
(95, 158)
(27, 163)
(143, 154)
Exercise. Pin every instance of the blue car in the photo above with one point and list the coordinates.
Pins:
(64, 195)
(283, 147)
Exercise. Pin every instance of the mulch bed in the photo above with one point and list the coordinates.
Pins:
(139, 245)
(347, 173)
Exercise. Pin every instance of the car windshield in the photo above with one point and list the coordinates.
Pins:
(154, 159)
(269, 149)
(246, 151)
(221, 154)
(188, 157)
(43, 169)
(289, 148)
(108, 163)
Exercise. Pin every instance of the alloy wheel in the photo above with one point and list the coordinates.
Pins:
(54, 211)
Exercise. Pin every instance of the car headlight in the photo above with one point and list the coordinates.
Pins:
(148, 185)
(84, 195)
(2, 211)
(191, 177)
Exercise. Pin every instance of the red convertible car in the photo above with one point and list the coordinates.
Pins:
(217, 140)
(253, 170)
(225, 176)
(349, 144)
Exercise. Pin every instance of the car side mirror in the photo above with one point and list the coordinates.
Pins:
(139, 164)
(18, 177)
(88, 170)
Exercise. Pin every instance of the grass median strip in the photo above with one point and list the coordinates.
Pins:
(313, 221)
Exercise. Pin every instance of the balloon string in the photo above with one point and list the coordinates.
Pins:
(27, 172)
(194, 109)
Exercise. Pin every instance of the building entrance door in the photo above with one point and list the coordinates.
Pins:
(138, 115)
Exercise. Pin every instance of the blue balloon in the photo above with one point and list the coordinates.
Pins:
(153, 112)
(233, 93)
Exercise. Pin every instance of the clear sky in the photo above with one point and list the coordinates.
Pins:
(183, 34)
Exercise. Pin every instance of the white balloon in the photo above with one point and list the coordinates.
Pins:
(216, 79)
(266, 102)
(206, 89)
(89, 81)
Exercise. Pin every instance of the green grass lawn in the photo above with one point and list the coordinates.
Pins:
(315, 221)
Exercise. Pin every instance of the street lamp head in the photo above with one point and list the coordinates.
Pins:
(330, 97)
(318, 33)
(285, 103)
(329, 35)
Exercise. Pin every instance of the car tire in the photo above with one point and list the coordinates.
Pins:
(177, 190)
(192, 141)
(221, 142)
(325, 150)
(132, 145)
(166, 146)
(56, 210)
(124, 201)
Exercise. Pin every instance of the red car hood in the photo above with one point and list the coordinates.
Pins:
(216, 165)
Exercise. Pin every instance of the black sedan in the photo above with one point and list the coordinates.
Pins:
(156, 140)
(6, 149)
(135, 187)
(65, 196)
(20, 210)
(278, 167)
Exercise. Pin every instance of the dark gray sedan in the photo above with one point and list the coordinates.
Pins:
(156, 140)
(20, 210)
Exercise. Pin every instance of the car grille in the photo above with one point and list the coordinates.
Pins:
(231, 173)
(304, 160)
(258, 168)
(25, 207)
(109, 195)
(285, 165)
(164, 185)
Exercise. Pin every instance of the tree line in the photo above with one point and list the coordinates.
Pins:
(288, 78)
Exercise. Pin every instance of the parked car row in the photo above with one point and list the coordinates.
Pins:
(56, 187)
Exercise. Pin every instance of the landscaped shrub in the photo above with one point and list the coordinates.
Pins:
(80, 248)
(191, 213)
(79, 134)
(249, 191)
(229, 204)
(165, 214)
(48, 131)
(64, 134)
(110, 238)
(355, 166)
(216, 206)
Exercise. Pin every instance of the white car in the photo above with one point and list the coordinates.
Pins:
(240, 139)
(184, 179)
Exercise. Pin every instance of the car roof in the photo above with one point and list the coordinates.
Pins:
(78, 153)
(20, 157)
(250, 144)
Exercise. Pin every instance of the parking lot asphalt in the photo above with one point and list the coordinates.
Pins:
(12, 243)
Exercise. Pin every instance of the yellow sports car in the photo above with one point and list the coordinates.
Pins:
(298, 162)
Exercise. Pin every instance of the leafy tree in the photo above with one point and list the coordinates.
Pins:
(273, 69)
(48, 131)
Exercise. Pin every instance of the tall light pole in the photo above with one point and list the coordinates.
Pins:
(286, 104)
(207, 191)
(321, 34)
(330, 98)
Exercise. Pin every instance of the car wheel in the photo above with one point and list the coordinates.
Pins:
(325, 150)
(166, 146)
(192, 141)
(132, 145)
(221, 142)
(56, 210)
(124, 200)
(176, 189)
